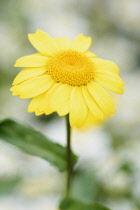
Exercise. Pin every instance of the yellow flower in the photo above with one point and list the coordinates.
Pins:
(65, 77)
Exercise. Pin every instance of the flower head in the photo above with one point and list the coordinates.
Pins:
(65, 77)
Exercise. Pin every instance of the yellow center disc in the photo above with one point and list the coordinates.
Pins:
(70, 67)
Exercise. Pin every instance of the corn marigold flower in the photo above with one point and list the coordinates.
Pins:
(65, 77)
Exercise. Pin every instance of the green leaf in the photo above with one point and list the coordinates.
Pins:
(34, 143)
(71, 204)
(84, 185)
(8, 185)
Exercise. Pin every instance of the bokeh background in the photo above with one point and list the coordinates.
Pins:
(112, 150)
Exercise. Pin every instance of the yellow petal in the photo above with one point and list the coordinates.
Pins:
(34, 60)
(28, 73)
(33, 87)
(63, 43)
(91, 120)
(49, 95)
(38, 105)
(60, 100)
(92, 105)
(43, 43)
(41, 104)
(37, 113)
(81, 43)
(105, 65)
(102, 98)
(109, 81)
(90, 54)
(78, 108)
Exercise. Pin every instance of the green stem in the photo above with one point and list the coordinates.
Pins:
(69, 159)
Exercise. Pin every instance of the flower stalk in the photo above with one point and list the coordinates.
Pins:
(69, 158)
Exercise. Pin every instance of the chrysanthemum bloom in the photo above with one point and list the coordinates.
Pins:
(65, 77)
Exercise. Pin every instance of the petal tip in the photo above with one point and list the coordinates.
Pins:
(14, 83)
(29, 109)
(11, 89)
(29, 35)
(122, 92)
(15, 65)
(38, 30)
(14, 94)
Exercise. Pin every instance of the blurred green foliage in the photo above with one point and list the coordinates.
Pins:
(85, 185)
(72, 204)
(9, 184)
